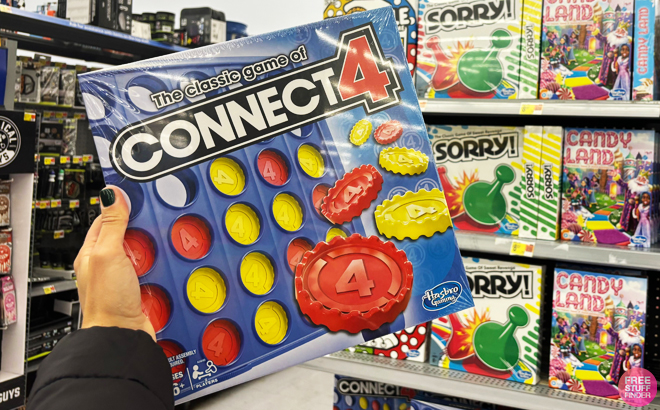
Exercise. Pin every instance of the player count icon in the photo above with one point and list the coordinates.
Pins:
(495, 344)
(211, 369)
(484, 201)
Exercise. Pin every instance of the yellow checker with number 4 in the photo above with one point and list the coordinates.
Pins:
(206, 290)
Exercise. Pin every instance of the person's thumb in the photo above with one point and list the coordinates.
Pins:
(114, 214)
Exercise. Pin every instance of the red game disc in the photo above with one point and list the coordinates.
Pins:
(191, 237)
(272, 167)
(388, 132)
(221, 342)
(140, 250)
(296, 251)
(352, 194)
(171, 350)
(320, 191)
(353, 283)
(155, 305)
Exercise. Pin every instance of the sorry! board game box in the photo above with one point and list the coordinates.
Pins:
(499, 337)
(473, 49)
(587, 50)
(284, 199)
(481, 171)
(607, 186)
(598, 328)
(407, 344)
(405, 12)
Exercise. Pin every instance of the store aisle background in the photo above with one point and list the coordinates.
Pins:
(261, 16)
(293, 388)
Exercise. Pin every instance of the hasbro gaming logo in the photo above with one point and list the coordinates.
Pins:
(524, 374)
(618, 93)
(506, 92)
(441, 296)
(639, 240)
(413, 353)
(511, 226)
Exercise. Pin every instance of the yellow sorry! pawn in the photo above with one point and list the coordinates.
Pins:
(412, 215)
(271, 322)
(206, 290)
(227, 176)
(360, 132)
(403, 161)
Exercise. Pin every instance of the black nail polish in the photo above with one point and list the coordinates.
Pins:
(107, 197)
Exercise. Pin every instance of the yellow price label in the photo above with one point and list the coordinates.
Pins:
(49, 161)
(520, 248)
(55, 203)
(49, 289)
(65, 159)
(58, 234)
(94, 200)
(30, 117)
(44, 204)
(531, 109)
(88, 158)
(74, 203)
(77, 159)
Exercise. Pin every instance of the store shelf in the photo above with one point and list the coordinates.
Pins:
(588, 253)
(55, 273)
(545, 108)
(45, 107)
(423, 376)
(58, 36)
(47, 288)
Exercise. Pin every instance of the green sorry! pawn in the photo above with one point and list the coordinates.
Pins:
(480, 70)
(484, 202)
(495, 344)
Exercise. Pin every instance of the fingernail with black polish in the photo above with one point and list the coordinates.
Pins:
(107, 197)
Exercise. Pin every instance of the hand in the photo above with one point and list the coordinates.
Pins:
(107, 283)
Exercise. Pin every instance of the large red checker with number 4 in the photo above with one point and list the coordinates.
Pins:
(272, 167)
(352, 194)
(353, 283)
(140, 251)
(155, 306)
(221, 342)
(191, 237)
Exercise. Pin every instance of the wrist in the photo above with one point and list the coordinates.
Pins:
(142, 324)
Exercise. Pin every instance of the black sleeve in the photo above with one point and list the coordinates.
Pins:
(104, 368)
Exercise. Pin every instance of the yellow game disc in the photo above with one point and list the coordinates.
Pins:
(364, 403)
(257, 273)
(242, 224)
(415, 214)
(332, 232)
(403, 406)
(287, 212)
(386, 406)
(403, 161)
(311, 161)
(271, 323)
(227, 176)
(206, 290)
(360, 132)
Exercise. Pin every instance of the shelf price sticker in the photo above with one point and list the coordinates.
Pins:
(520, 248)
(80, 116)
(55, 203)
(58, 234)
(531, 109)
(77, 159)
(74, 203)
(43, 204)
(88, 158)
(49, 161)
(65, 159)
(30, 116)
(49, 289)
(94, 200)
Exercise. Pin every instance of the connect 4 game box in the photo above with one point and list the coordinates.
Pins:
(481, 170)
(284, 199)
(500, 336)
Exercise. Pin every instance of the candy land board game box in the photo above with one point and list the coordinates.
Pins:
(473, 48)
(405, 12)
(407, 344)
(606, 186)
(481, 172)
(643, 87)
(499, 337)
(284, 199)
(587, 50)
(598, 329)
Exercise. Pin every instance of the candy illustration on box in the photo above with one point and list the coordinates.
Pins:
(284, 199)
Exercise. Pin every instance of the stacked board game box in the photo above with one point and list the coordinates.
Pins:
(407, 344)
(644, 56)
(587, 50)
(598, 329)
(478, 49)
(282, 202)
(499, 337)
(405, 12)
(609, 187)
(352, 394)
